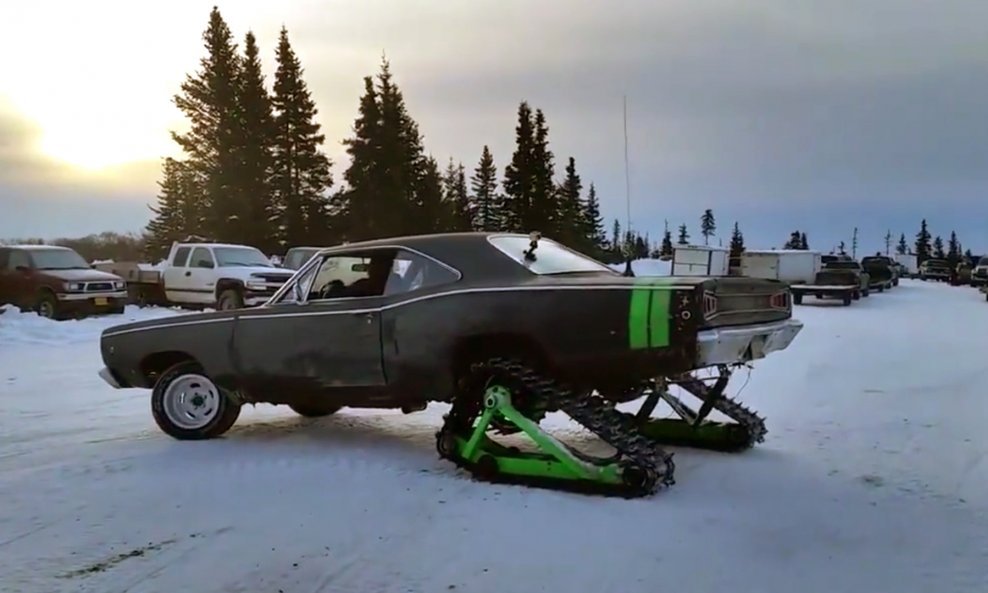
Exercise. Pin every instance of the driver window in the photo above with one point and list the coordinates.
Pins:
(339, 276)
(201, 258)
(413, 272)
(18, 258)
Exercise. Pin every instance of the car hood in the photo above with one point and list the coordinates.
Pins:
(258, 272)
(80, 275)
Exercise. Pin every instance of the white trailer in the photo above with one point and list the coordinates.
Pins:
(795, 266)
(700, 260)
(909, 262)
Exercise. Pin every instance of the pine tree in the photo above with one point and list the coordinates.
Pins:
(803, 244)
(178, 211)
(208, 99)
(854, 244)
(256, 211)
(737, 242)
(519, 175)
(684, 236)
(953, 249)
(571, 224)
(546, 212)
(938, 248)
(458, 207)
(707, 225)
(364, 195)
(594, 224)
(888, 242)
(485, 198)
(922, 243)
(902, 248)
(616, 237)
(301, 171)
(427, 199)
(794, 241)
(666, 249)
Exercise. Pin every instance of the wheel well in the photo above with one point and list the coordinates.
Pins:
(226, 284)
(482, 347)
(155, 364)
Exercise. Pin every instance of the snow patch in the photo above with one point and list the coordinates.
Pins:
(28, 328)
(647, 267)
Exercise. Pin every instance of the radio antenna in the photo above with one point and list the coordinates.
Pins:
(627, 195)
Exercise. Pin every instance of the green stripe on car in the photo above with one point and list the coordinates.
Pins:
(648, 314)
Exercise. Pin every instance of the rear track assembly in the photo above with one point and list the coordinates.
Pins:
(505, 396)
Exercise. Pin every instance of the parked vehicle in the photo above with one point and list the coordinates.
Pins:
(961, 274)
(506, 327)
(881, 270)
(795, 266)
(908, 266)
(296, 257)
(862, 277)
(830, 283)
(934, 269)
(198, 275)
(979, 275)
(56, 282)
(700, 260)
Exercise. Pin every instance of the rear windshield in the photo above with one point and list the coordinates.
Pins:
(550, 257)
(843, 265)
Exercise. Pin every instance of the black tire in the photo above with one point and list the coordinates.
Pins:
(866, 292)
(847, 300)
(881, 288)
(46, 305)
(797, 298)
(857, 295)
(230, 299)
(222, 411)
(311, 410)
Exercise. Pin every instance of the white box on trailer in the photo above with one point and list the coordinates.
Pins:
(795, 266)
(908, 261)
(700, 260)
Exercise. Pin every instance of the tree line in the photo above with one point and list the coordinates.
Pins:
(253, 170)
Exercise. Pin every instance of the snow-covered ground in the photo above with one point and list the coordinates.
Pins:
(872, 479)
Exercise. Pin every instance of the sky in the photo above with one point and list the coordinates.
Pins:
(779, 115)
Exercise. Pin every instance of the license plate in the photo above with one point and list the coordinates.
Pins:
(100, 301)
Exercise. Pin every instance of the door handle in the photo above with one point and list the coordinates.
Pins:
(188, 272)
(368, 317)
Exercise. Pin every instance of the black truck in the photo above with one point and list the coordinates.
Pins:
(504, 327)
(882, 272)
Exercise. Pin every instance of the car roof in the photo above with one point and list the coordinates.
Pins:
(37, 247)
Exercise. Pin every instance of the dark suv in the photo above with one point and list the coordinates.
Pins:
(57, 282)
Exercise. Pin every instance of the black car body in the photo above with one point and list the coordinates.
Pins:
(461, 295)
(853, 268)
(881, 270)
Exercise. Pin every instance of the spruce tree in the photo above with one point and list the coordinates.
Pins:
(546, 212)
(301, 171)
(594, 223)
(938, 248)
(665, 249)
(485, 199)
(255, 197)
(902, 248)
(923, 243)
(208, 99)
(794, 241)
(177, 212)
(519, 175)
(803, 244)
(953, 249)
(888, 242)
(854, 243)
(707, 225)
(363, 200)
(458, 207)
(737, 242)
(427, 199)
(615, 246)
(571, 226)
(684, 236)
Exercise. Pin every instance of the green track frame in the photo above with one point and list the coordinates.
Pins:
(555, 461)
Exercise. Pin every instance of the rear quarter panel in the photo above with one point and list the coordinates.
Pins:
(127, 350)
(584, 333)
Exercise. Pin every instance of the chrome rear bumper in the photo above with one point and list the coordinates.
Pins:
(742, 344)
(106, 375)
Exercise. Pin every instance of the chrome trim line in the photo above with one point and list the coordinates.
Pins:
(80, 296)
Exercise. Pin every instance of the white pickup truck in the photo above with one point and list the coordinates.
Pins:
(198, 275)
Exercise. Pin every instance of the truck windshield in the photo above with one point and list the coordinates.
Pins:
(550, 257)
(240, 257)
(983, 261)
(843, 265)
(57, 259)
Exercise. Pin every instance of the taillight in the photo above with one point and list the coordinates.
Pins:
(709, 305)
(779, 300)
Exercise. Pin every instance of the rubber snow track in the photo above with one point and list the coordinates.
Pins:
(872, 478)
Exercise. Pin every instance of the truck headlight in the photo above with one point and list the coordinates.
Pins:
(119, 285)
(73, 286)
(256, 285)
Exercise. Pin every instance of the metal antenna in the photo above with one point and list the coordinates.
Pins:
(627, 192)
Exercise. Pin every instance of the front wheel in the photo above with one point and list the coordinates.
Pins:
(46, 305)
(187, 405)
(230, 299)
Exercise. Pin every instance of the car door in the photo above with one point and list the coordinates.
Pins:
(201, 275)
(178, 278)
(325, 344)
(18, 282)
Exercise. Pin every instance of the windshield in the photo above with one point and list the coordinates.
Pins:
(227, 257)
(550, 257)
(57, 259)
(843, 265)
(297, 256)
(983, 261)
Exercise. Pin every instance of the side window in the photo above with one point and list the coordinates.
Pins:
(201, 258)
(412, 272)
(18, 258)
(181, 257)
(342, 276)
(3, 258)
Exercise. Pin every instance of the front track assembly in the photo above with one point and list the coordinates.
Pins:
(505, 396)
